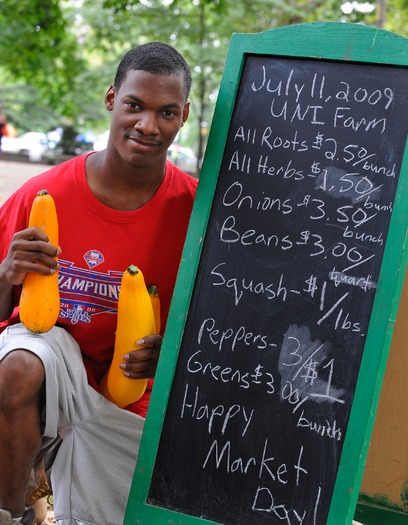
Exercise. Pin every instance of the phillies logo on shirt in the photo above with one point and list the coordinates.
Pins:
(93, 258)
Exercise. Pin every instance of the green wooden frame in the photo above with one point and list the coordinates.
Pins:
(333, 41)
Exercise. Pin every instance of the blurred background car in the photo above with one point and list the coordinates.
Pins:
(184, 158)
(32, 145)
(65, 143)
(101, 141)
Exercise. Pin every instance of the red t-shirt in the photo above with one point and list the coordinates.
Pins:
(98, 244)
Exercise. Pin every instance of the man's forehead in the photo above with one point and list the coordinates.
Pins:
(137, 79)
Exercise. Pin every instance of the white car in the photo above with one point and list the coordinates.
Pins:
(184, 158)
(33, 144)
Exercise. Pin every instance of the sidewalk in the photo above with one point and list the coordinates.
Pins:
(13, 174)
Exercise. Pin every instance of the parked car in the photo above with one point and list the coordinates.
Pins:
(101, 141)
(67, 145)
(32, 144)
(184, 158)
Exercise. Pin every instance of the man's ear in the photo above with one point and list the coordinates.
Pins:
(186, 111)
(109, 98)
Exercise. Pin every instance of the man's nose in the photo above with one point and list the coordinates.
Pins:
(147, 123)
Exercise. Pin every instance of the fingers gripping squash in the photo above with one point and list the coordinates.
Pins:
(40, 299)
(135, 321)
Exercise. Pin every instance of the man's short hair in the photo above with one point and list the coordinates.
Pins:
(156, 58)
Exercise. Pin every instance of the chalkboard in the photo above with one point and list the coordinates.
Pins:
(292, 295)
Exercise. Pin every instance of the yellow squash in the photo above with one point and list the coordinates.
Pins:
(154, 297)
(135, 321)
(40, 299)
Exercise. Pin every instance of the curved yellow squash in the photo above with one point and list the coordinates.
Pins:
(154, 297)
(135, 321)
(40, 299)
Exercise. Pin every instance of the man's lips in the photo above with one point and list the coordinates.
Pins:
(143, 142)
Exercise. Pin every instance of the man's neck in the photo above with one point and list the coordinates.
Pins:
(121, 188)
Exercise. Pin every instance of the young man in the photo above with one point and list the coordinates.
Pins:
(124, 205)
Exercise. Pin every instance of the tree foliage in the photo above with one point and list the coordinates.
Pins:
(61, 55)
(199, 29)
(37, 49)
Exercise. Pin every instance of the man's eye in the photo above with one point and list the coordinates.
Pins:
(133, 105)
(169, 113)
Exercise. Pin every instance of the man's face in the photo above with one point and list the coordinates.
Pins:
(147, 113)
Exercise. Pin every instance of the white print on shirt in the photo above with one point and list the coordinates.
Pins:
(85, 293)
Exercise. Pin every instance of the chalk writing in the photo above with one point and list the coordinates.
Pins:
(280, 311)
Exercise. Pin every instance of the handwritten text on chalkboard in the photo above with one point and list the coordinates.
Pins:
(282, 301)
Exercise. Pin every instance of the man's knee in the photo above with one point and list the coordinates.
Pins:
(21, 379)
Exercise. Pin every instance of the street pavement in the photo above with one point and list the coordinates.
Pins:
(13, 174)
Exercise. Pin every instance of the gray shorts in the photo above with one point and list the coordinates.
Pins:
(93, 468)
